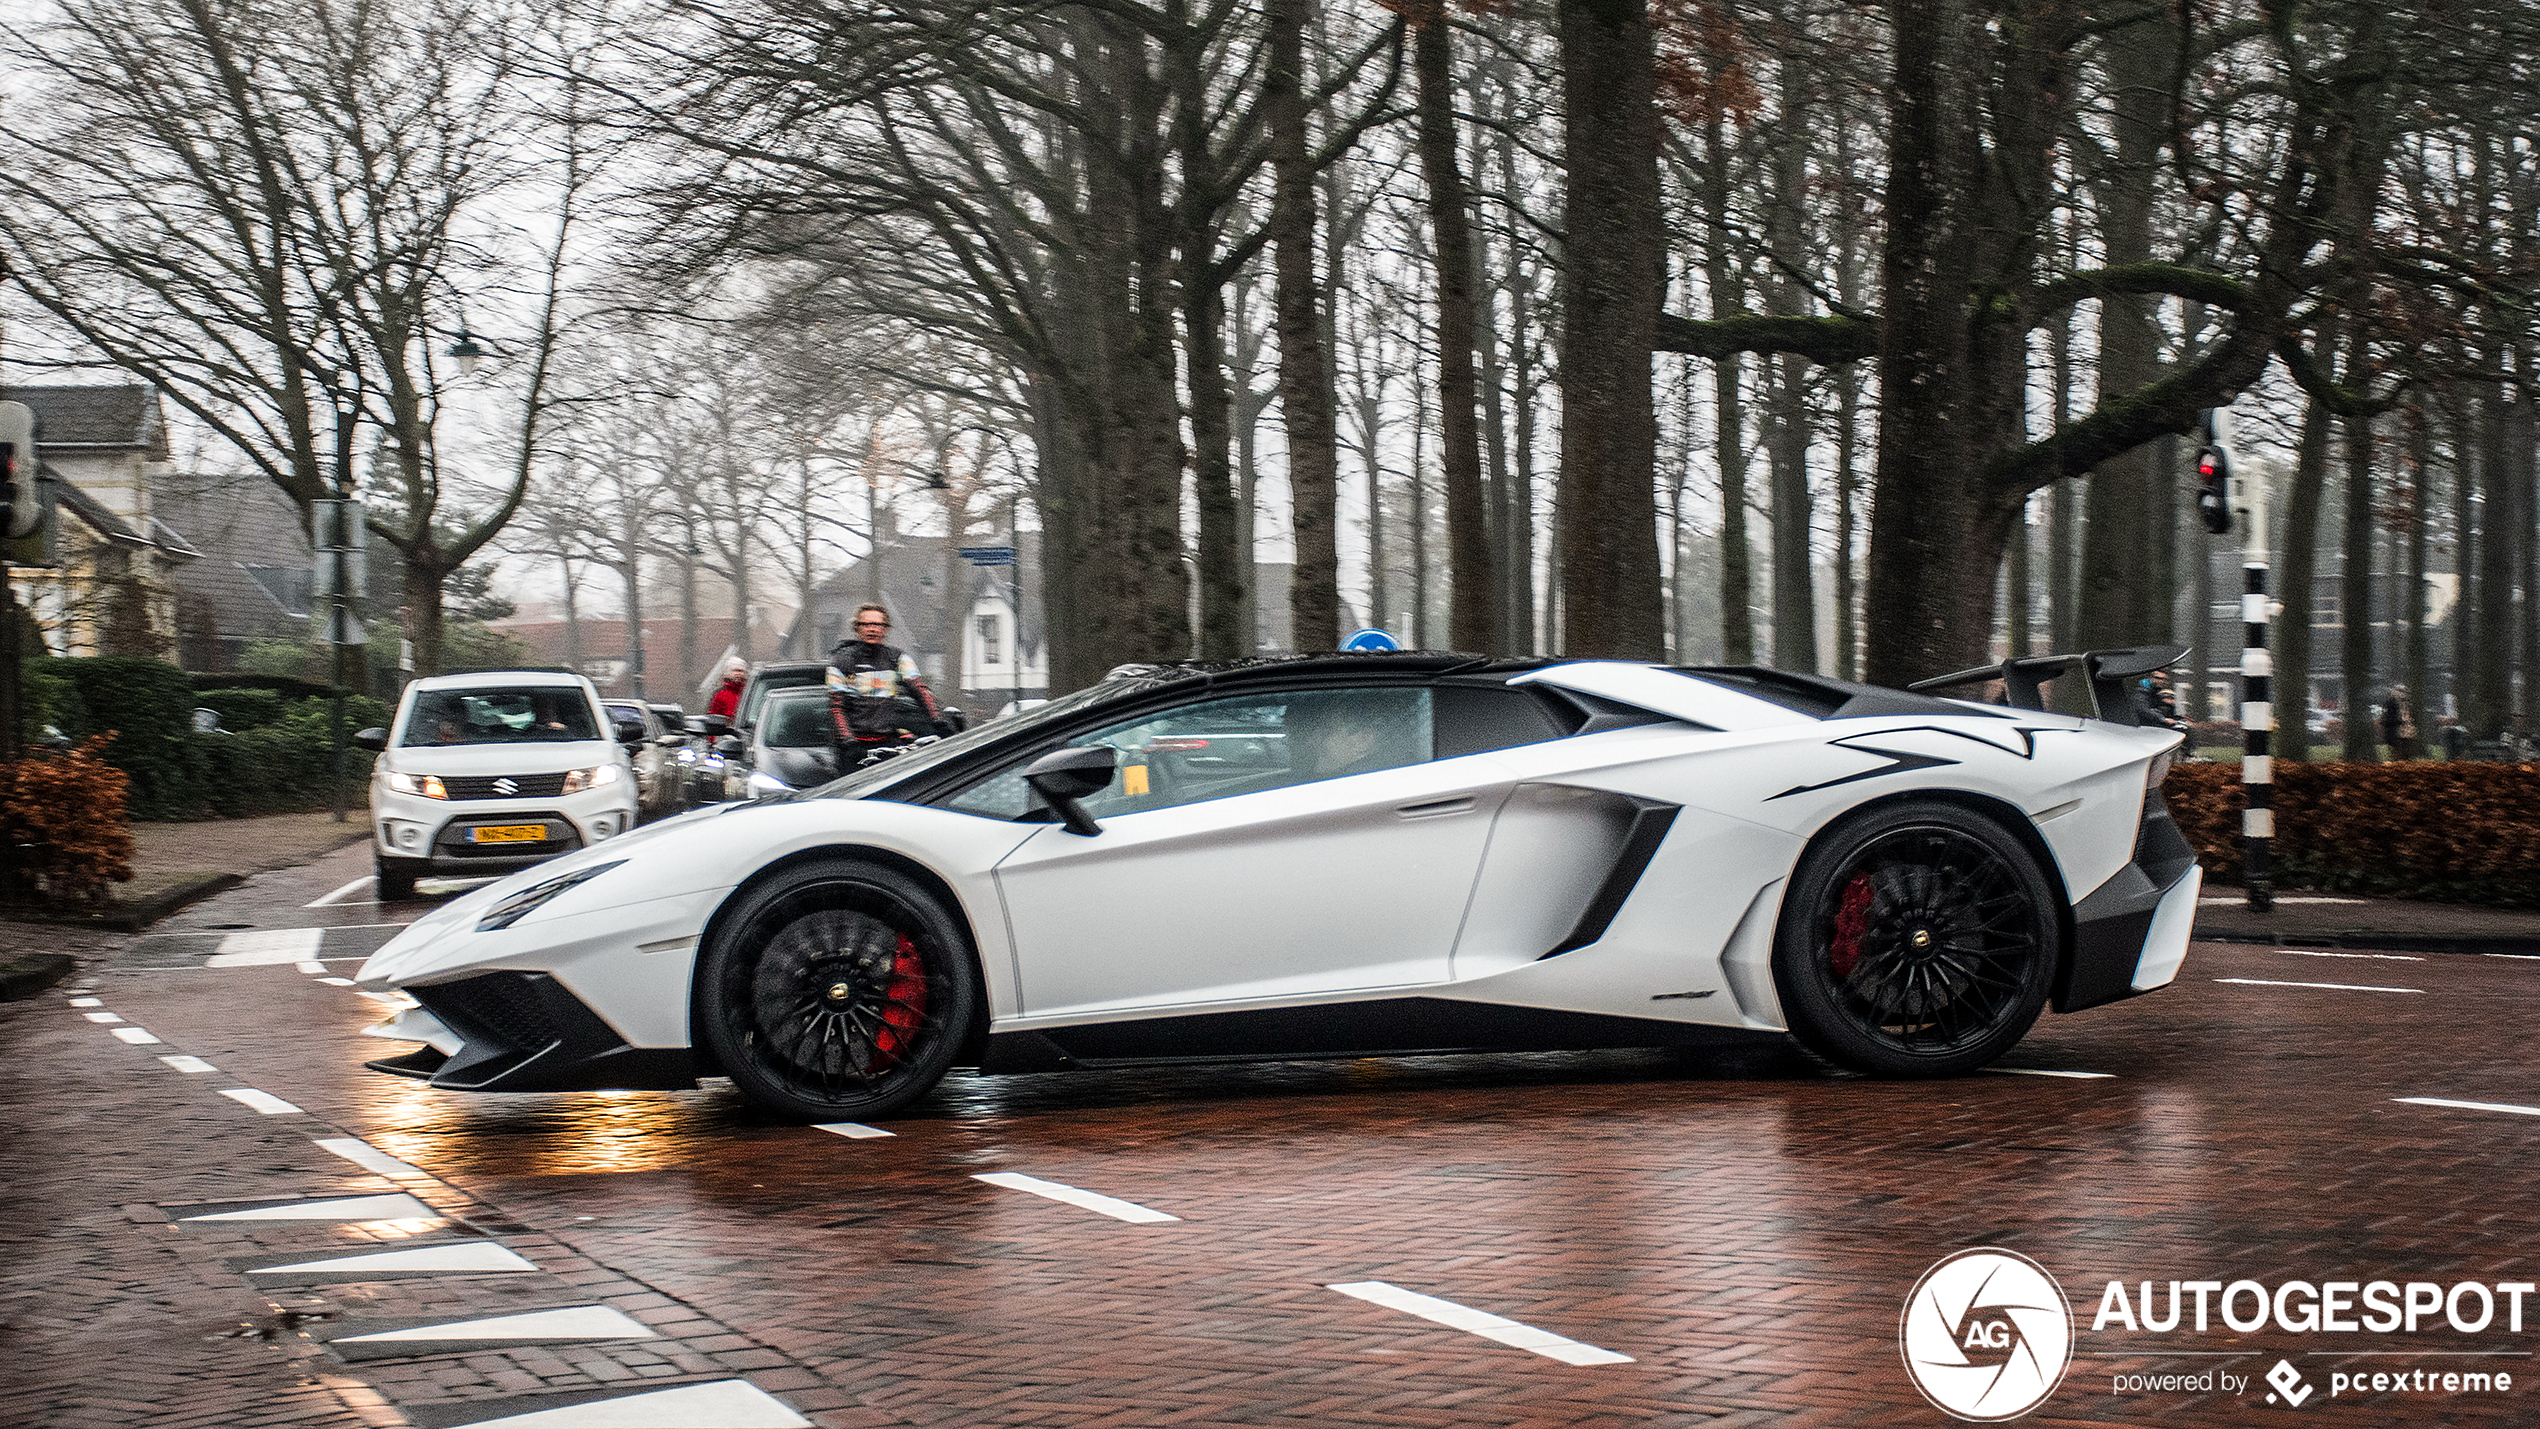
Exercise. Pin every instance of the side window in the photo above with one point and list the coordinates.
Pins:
(1243, 744)
(1476, 719)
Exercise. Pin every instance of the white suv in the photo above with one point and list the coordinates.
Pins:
(485, 773)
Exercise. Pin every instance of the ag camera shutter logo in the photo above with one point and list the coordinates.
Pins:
(1986, 1334)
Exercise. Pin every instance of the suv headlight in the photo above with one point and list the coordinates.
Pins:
(426, 785)
(592, 778)
(518, 906)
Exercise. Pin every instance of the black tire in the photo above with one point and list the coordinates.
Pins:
(838, 991)
(1918, 940)
(395, 883)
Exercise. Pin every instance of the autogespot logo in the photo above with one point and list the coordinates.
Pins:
(1986, 1334)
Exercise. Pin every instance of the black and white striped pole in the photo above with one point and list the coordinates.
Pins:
(2257, 665)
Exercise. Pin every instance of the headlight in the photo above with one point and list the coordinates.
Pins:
(764, 783)
(518, 906)
(427, 785)
(591, 778)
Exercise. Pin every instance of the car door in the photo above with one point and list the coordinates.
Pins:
(1329, 870)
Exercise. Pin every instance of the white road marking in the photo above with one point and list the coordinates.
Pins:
(189, 1064)
(2517, 957)
(370, 1158)
(265, 1103)
(470, 1256)
(330, 900)
(721, 1404)
(259, 946)
(134, 1035)
(88, 1002)
(311, 966)
(397, 1206)
(2242, 898)
(101, 1017)
(573, 1322)
(1478, 1322)
(336, 981)
(2471, 1106)
(2332, 986)
(2388, 957)
(2042, 1072)
(855, 1129)
(1107, 1205)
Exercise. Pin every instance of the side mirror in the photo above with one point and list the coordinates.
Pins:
(709, 724)
(1064, 776)
(375, 740)
(630, 731)
(670, 741)
(730, 746)
(957, 718)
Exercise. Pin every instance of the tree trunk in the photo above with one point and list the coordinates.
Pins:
(2063, 622)
(2493, 651)
(1609, 328)
(1728, 296)
(1847, 486)
(1305, 373)
(1470, 623)
(2361, 740)
(1221, 551)
(2420, 513)
(2294, 573)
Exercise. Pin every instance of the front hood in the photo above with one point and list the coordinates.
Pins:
(488, 759)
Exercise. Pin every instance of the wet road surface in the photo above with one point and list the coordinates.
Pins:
(196, 1165)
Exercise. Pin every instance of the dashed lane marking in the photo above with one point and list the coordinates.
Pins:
(2470, 1106)
(189, 1064)
(1479, 1322)
(718, 1404)
(329, 900)
(1107, 1205)
(370, 1158)
(102, 1016)
(2517, 957)
(88, 1002)
(263, 1103)
(2386, 957)
(476, 1257)
(259, 946)
(138, 1037)
(854, 1129)
(2331, 986)
(397, 1206)
(568, 1322)
(2043, 1072)
(337, 981)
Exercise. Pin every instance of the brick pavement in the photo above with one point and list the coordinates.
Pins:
(1743, 1226)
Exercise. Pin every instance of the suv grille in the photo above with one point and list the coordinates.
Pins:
(505, 786)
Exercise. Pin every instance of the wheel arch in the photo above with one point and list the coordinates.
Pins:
(2000, 811)
(973, 1040)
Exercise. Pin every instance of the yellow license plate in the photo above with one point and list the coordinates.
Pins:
(508, 834)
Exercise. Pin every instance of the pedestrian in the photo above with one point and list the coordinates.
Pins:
(727, 698)
(2399, 725)
(877, 697)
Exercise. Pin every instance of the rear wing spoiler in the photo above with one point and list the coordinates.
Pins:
(2024, 678)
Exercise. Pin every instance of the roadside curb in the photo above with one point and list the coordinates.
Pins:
(25, 976)
(127, 917)
(2505, 944)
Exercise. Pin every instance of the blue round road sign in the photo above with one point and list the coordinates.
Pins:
(1371, 639)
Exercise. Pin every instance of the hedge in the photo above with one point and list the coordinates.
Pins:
(2453, 831)
(64, 810)
(276, 758)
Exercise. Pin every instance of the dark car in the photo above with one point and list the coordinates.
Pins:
(771, 676)
(789, 747)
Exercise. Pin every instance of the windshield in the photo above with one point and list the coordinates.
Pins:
(548, 714)
(766, 682)
(873, 777)
(797, 722)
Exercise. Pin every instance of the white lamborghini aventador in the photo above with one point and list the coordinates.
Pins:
(1344, 855)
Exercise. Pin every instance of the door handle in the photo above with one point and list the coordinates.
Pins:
(1463, 804)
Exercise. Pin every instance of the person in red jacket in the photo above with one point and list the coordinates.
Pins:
(727, 700)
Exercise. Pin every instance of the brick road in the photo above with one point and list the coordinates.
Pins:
(1742, 1227)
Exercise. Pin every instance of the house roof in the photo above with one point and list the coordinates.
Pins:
(912, 567)
(95, 418)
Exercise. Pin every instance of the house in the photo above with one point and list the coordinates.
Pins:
(254, 580)
(1002, 655)
(111, 588)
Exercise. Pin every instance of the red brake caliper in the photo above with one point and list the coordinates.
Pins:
(904, 1005)
(1850, 922)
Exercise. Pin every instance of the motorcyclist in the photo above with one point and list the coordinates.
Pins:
(877, 698)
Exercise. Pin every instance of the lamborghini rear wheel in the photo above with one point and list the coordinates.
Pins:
(838, 991)
(1918, 940)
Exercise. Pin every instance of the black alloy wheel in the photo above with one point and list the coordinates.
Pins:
(1918, 939)
(839, 990)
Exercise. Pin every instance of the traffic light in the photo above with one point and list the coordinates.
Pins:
(21, 500)
(2213, 491)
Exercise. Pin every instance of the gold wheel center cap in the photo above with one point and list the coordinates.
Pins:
(1922, 937)
(838, 992)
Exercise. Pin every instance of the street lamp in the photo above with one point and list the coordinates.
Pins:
(469, 353)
